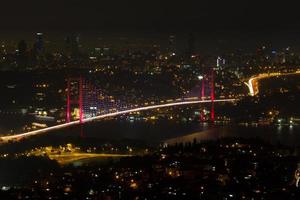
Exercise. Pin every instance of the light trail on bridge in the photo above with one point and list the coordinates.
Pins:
(252, 83)
(113, 114)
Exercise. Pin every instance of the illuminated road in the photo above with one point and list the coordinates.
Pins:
(253, 81)
(113, 114)
(67, 158)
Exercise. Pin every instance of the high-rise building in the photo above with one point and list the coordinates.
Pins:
(39, 43)
(22, 47)
(22, 55)
(72, 44)
(172, 44)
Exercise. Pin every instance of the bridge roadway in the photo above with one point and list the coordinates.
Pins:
(253, 81)
(113, 114)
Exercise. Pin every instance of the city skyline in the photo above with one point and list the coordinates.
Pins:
(123, 100)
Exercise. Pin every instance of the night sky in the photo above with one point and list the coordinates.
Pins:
(200, 15)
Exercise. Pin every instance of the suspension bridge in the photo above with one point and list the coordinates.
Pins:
(93, 104)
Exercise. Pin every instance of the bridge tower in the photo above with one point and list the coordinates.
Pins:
(202, 98)
(208, 91)
(75, 97)
(212, 96)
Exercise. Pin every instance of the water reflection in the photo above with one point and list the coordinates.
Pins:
(288, 135)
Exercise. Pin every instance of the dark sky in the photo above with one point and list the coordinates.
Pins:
(202, 15)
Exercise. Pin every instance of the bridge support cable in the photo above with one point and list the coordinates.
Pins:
(107, 115)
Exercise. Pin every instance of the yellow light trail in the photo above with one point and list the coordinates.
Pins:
(72, 157)
(253, 81)
(113, 114)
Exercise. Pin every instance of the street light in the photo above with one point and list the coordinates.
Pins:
(200, 77)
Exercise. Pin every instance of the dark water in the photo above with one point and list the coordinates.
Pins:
(157, 132)
(154, 133)
(273, 134)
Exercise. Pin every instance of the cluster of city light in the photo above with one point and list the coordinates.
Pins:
(113, 114)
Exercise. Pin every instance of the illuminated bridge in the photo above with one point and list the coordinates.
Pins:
(93, 104)
(113, 114)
